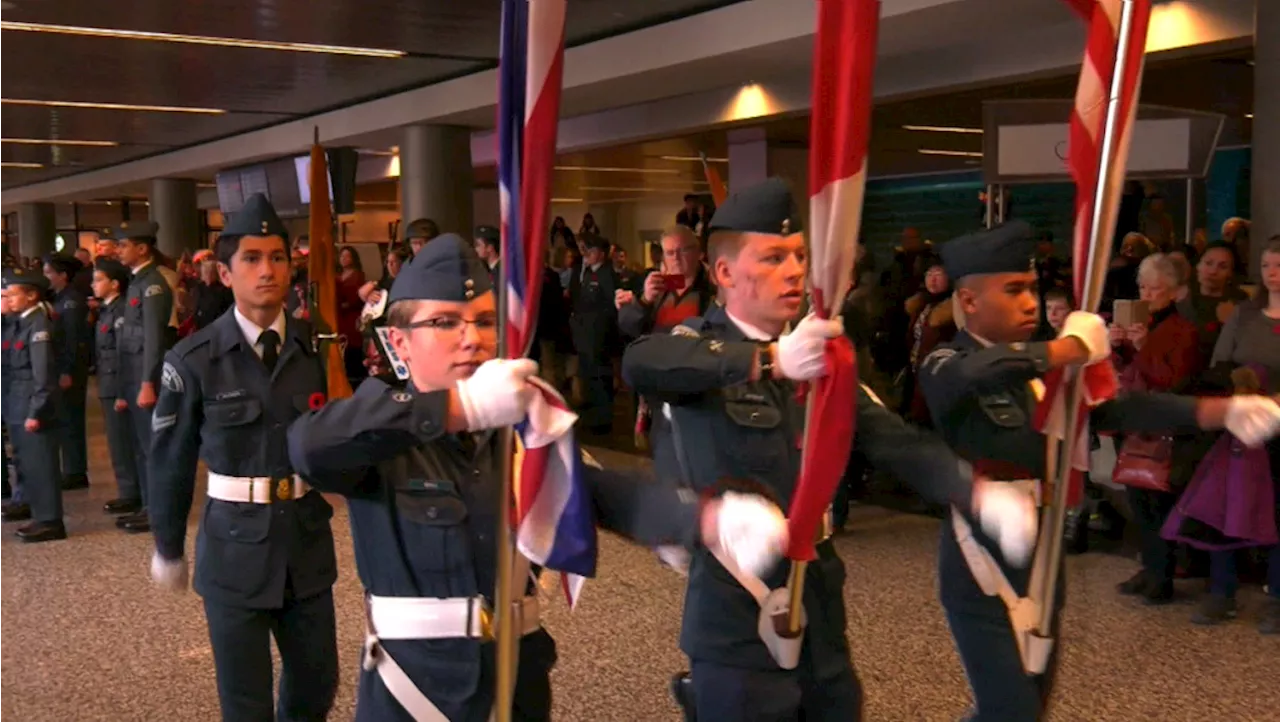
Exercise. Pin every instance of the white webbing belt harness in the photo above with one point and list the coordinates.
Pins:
(256, 489)
(403, 618)
(1024, 612)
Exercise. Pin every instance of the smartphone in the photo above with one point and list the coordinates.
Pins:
(673, 281)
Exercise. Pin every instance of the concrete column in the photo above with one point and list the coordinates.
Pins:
(174, 208)
(1265, 171)
(436, 177)
(37, 229)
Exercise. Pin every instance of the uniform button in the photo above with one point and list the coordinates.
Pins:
(426, 427)
(475, 472)
(755, 415)
(432, 512)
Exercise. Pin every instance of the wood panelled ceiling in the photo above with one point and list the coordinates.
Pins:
(441, 39)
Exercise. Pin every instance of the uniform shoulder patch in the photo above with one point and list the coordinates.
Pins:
(682, 330)
(120, 322)
(867, 389)
(154, 289)
(69, 304)
(938, 358)
(402, 397)
(590, 460)
(170, 379)
(39, 336)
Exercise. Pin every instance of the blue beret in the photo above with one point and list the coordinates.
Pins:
(257, 217)
(137, 230)
(114, 270)
(1007, 248)
(762, 208)
(488, 233)
(25, 277)
(446, 269)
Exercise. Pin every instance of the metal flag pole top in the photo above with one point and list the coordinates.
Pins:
(1101, 230)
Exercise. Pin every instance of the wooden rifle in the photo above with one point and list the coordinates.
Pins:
(322, 280)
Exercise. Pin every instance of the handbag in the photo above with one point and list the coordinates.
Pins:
(1144, 462)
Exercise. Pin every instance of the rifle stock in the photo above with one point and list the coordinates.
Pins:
(322, 277)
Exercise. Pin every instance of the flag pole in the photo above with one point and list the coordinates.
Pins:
(504, 623)
(1101, 229)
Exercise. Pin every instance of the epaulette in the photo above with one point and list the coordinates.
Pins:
(188, 345)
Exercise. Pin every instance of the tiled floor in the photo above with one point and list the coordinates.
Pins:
(87, 638)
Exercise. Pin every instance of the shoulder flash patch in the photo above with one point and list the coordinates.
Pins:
(154, 289)
(120, 322)
(39, 336)
(170, 379)
(939, 357)
(682, 330)
(590, 460)
(871, 394)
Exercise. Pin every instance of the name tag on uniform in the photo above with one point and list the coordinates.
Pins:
(397, 365)
(431, 486)
(228, 395)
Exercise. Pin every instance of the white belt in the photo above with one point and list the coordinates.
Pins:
(431, 618)
(256, 489)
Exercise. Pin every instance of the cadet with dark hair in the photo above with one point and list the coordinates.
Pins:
(31, 401)
(71, 315)
(264, 552)
(143, 340)
(110, 282)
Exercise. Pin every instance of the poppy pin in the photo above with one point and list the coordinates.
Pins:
(104, 328)
(134, 302)
(1212, 326)
(316, 401)
(18, 345)
(1276, 329)
(5, 346)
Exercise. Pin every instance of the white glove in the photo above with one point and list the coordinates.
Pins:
(169, 574)
(1252, 419)
(497, 394)
(1008, 515)
(800, 352)
(751, 531)
(1091, 330)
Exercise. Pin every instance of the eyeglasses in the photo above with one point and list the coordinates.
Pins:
(454, 324)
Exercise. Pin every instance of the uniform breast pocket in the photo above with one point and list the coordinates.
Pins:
(234, 553)
(233, 428)
(433, 518)
(754, 434)
(1003, 410)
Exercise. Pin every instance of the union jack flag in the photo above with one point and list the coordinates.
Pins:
(1088, 147)
(553, 514)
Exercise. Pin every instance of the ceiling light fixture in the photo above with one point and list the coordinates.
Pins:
(59, 141)
(201, 40)
(566, 200)
(674, 189)
(111, 106)
(9, 164)
(693, 158)
(1248, 116)
(942, 129)
(595, 169)
(955, 153)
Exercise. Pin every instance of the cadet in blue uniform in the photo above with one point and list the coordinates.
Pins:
(422, 496)
(980, 392)
(143, 341)
(594, 326)
(7, 319)
(31, 401)
(264, 552)
(110, 282)
(728, 381)
(71, 313)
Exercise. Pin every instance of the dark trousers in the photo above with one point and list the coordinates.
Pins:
(751, 695)
(980, 626)
(304, 631)
(70, 435)
(595, 368)
(140, 423)
(1224, 579)
(8, 459)
(120, 444)
(1150, 509)
(37, 461)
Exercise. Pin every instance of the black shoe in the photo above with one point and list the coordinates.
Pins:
(137, 516)
(682, 691)
(15, 512)
(74, 482)
(1134, 585)
(1158, 593)
(135, 524)
(42, 531)
(1214, 609)
(122, 506)
(1076, 530)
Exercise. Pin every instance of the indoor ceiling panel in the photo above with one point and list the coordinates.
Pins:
(138, 129)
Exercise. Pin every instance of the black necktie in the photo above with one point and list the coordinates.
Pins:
(270, 341)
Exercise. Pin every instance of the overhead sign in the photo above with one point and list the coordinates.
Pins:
(1157, 146)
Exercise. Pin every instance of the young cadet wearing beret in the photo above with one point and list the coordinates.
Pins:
(728, 382)
(981, 389)
(264, 560)
(421, 469)
(110, 282)
(74, 349)
(143, 340)
(31, 401)
(489, 248)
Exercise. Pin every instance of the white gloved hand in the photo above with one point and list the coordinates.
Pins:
(1091, 330)
(497, 394)
(800, 353)
(751, 531)
(169, 574)
(1252, 419)
(1008, 515)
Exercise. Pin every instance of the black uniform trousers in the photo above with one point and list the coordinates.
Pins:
(36, 458)
(1002, 690)
(121, 444)
(8, 459)
(1150, 509)
(798, 695)
(241, 641)
(139, 421)
(592, 332)
(70, 435)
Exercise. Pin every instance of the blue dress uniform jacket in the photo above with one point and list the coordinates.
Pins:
(75, 342)
(31, 392)
(728, 428)
(982, 401)
(106, 341)
(423, 505)
(119, 426)
(219, 403)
